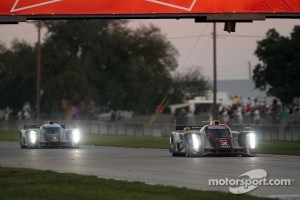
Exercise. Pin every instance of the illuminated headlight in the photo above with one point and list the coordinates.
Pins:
(196, 141)
(76, 136)
(251, 140)
(33, 137)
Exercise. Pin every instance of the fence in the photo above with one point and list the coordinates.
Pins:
(264, 132)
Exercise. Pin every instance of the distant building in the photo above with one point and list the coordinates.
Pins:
(242, 88)
(226, 89)
(202, 104)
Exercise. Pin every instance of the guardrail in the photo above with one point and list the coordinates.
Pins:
(264, 132)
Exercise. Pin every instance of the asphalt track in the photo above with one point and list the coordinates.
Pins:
(157, 166)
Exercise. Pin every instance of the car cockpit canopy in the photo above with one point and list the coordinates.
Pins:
(51, 128)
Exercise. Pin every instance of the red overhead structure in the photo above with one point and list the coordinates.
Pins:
(145, 7)
(12, 11)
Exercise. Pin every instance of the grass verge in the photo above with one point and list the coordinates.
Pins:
(280, 148)
(17, 183)
(9, 135)
(127, 141)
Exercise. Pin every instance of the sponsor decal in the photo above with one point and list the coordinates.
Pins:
(182, 4)
(23, 4)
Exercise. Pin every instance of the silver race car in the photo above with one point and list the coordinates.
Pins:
(49, 135)
(211, 139)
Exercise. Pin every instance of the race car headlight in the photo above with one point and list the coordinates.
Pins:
(251, 139)
(76, 136)
(196, 141)
(32, 137)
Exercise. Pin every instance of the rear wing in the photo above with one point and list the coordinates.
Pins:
(29, 126)
(213, 122)
(181, 128)
(37, 126)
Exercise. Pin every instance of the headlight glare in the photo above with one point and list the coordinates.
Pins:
(76, 136)
(196, 141)
(251, 140)
(33, 137)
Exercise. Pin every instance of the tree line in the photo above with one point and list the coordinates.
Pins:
(95, 62)
(105, 63)
(278, 71)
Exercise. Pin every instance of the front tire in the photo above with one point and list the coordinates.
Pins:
(172, 148)
(22, 142)
(188, 152)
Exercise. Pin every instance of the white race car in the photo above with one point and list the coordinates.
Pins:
(49, 135)
(211, 139)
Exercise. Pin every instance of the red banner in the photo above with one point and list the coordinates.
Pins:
(148, 7)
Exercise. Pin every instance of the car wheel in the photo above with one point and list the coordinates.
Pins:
(173, 151)
(187, 147)
(173, 148)
(187, 152)
(22, 142)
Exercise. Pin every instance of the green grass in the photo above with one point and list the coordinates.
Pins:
(9, 135)
(127, 141)
(17, 183)
(280, 148)
(265, 147)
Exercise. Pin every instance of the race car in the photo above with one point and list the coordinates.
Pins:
(211, 139)
(49, 135)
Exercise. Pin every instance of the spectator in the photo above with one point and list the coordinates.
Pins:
(235, 102)
(220, 109)
(262, 110)
(256, 116)
(241, 102)
(294, 118)
(75, 112)
(239, 115)
(112, 115)
(225, 115)
(274, 111)
(283, 115)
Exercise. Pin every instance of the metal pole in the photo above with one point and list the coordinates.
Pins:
(215, 109)
(38, 72)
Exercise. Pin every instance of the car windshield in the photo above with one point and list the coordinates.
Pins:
(215, 132)
(52, 130)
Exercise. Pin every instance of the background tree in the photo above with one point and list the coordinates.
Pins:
(279, 70)
(107, 62)
(17, 75)
(100, 61)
